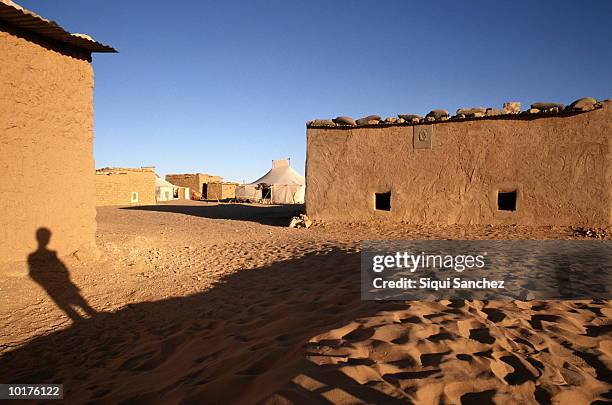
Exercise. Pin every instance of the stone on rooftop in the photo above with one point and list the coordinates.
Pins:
(344, 120)
(410, 117)
(471, 111)
(437, 114)
(369, 120)
(547, 106)
(583, 104)
(322, 123)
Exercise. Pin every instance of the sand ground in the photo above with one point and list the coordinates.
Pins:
(214, 303)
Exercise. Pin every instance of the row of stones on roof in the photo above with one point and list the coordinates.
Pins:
(509, 108)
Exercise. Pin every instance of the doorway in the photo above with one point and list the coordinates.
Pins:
(266, 193)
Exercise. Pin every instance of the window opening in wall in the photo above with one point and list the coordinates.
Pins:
(382, 201)
(506, 200)
(134, 196)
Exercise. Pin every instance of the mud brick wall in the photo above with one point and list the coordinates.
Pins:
(221, 191)
(185, 180)
(116, 187)
(560, 168)
(46, 146)
(193, 181)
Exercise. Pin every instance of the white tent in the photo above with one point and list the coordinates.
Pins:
(164, 190)
(281, 185)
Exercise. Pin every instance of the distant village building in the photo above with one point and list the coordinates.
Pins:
(280, 185)
(166, 191)
(125, 186)
(182, 193)
(46, 119)
(549, 165)
(196, 182)
(221, 191)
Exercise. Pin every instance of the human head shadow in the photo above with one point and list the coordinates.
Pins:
(274, 215)
(239, 342)
(48, 271)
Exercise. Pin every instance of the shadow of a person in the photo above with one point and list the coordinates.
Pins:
(53, 276)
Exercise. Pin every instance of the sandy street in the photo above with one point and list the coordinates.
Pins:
(222, 303)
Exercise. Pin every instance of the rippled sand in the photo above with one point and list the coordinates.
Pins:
(206, 303)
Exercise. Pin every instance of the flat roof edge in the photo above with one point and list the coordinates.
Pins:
(523, 116)
(19, 17)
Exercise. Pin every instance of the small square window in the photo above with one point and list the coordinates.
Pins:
(382, 201)
(506, 201)
(134, 196)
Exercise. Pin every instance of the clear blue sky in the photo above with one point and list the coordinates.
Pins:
(224, 87)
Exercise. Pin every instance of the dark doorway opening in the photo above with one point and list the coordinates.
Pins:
(204, 191)
(382, 201)
(266, 193)
(506, 201)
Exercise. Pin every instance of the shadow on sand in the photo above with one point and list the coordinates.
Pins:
(46, 269)
(275, 215)
(238, 342)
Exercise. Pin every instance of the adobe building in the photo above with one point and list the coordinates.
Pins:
(125, 186)
(196, 182)
(221, 191)
(549, 165)
(46, 124)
